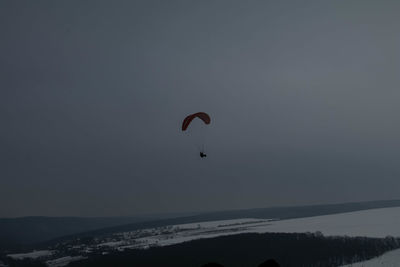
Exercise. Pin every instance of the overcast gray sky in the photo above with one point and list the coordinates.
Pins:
(303, 95)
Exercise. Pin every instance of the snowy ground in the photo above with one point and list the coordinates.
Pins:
(31, 255)
(389, 259)
(59, 262)
(370, 223)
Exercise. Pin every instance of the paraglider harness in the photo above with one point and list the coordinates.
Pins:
(202, 155)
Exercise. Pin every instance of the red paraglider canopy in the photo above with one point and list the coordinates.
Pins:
(201, 115)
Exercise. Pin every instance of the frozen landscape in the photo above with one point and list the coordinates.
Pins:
(368, 223)
(371, 223)
(182, 133)
(389, 259)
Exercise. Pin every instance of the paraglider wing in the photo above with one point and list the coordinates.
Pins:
(201, 115)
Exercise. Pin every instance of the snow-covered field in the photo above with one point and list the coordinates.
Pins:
(369, 223)
(389, 259)
(59, 262)
(31, 255)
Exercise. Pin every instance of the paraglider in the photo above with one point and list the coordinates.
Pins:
(201, 115)
(205, 118)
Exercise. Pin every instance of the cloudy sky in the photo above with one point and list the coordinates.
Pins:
(303, 95)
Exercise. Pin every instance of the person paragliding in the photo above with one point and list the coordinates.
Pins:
(188, 120)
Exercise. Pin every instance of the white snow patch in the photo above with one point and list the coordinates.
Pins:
(370, 223)
(111, 244)
(64, 261)
(188, 232)
(31, 255)
(389, 259)
(234, 223)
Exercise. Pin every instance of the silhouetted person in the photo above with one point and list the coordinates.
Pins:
(202, 155)
(269, 263)
(212, 264)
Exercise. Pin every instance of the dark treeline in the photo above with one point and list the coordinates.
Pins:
(246, 250)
